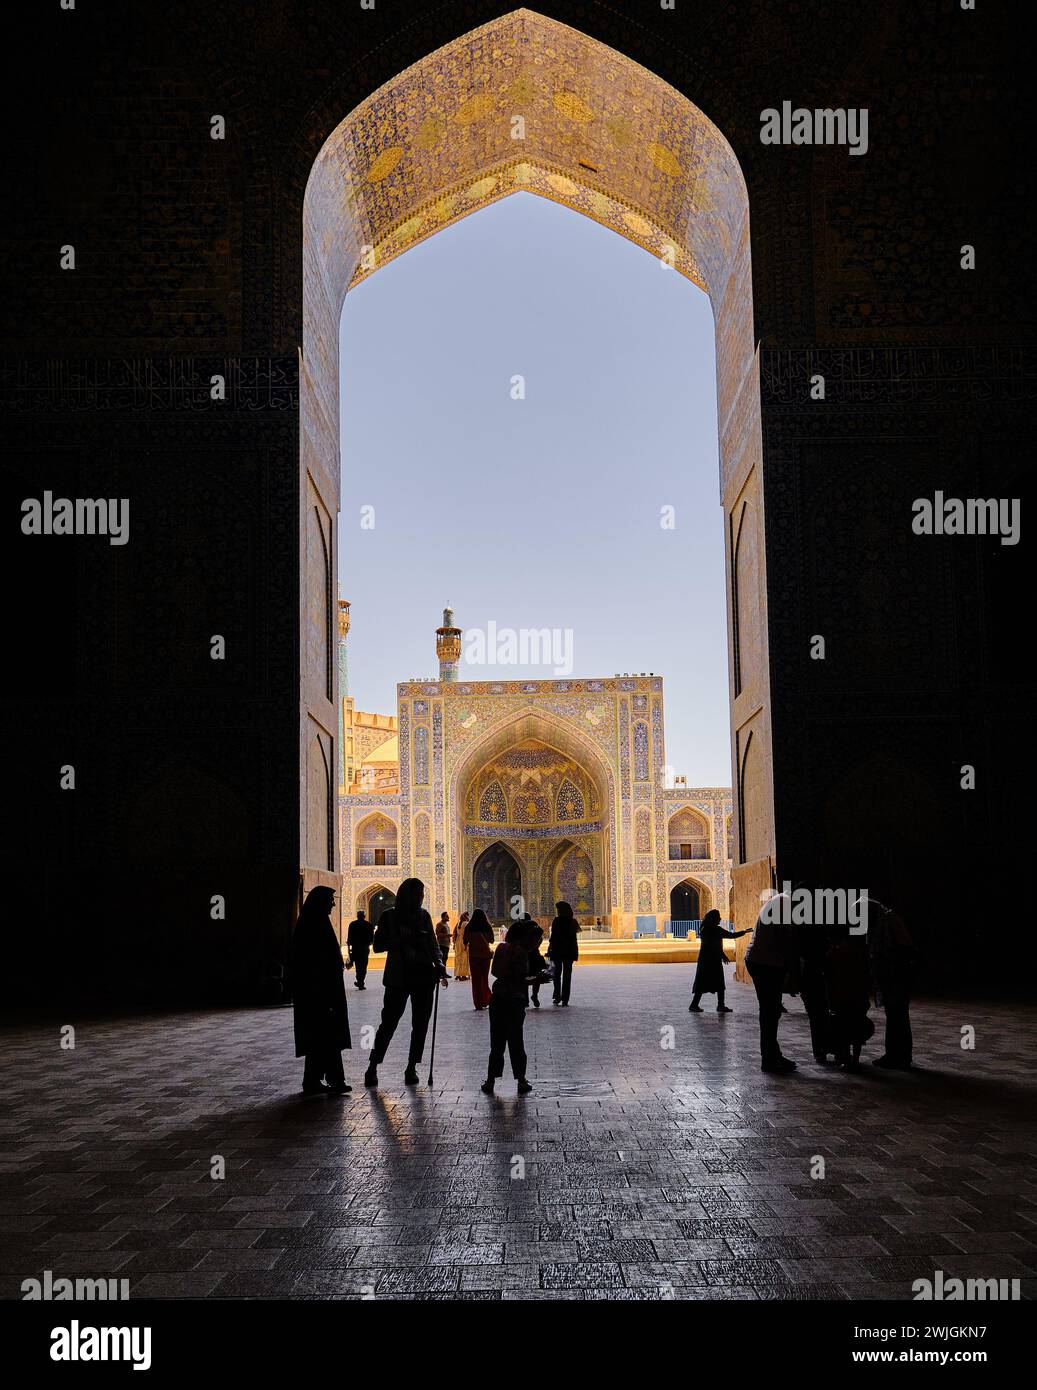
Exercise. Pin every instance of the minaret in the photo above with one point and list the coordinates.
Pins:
(448, 646)
(343, 686)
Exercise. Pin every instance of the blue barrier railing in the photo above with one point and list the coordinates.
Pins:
(677, 927)
(682, 929)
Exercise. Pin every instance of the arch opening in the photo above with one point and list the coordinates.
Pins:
(690, 900)
(497, 882)
(558, 793)
(609, 139)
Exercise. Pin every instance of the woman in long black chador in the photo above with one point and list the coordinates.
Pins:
(709, 976)
(319, 994)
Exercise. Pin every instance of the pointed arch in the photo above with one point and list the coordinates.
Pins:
(376, 840)
(569, 803)
(737, 560)
(493, 805)
(318, 805)
(690, 899)
(496, 881)
(374, 900)
(745, 780)
(687, 834)
(605, 137)
(575, 881)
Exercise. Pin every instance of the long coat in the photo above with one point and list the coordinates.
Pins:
(564, 942)
(709, 974)
(318, 989)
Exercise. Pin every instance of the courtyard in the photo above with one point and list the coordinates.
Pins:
(635, 1170)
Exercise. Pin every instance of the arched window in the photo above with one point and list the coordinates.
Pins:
(376, 840)
(576, 881)
(687, 835)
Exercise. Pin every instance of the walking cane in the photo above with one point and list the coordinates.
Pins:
(435, 1015)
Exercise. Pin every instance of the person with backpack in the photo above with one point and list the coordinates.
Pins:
(413, 968)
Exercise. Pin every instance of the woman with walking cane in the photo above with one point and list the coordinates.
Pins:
(412, 970)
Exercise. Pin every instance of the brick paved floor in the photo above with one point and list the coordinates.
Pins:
(648, 1172)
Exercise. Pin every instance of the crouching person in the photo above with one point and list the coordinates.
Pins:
(511, 976)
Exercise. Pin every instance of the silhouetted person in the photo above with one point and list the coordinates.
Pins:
(478, 937)
(319, 993)
(562, 949)
(893, 958)
(511, 973)
(848, 980)
(709, 973)
(358, 939)
(537, 964)
(443, 940)
(412, 968)
(461, 965)
(811, 943)
(770, 957)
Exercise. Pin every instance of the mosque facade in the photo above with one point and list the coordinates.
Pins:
(512, 795)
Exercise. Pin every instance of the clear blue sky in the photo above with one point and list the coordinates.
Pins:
(542, 512)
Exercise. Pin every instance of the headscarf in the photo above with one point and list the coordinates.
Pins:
(409, 898)
(478, 925)
(314, 932)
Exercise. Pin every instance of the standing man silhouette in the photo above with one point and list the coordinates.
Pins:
(770, 957)
(358, 940)
(443, 935)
